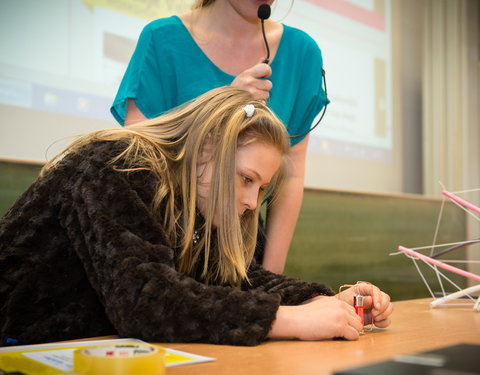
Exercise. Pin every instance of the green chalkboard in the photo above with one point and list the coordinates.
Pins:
(344, 237)
(15, 178)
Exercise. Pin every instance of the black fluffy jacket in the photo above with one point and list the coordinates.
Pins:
(82, 255)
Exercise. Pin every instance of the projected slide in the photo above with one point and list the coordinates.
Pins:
(68, 56)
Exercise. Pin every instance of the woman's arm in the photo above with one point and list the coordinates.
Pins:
(283, 213)
(133, 114)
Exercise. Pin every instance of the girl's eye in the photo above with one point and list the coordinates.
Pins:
(246, 179)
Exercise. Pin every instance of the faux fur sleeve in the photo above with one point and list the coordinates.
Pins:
(292, 291)
(132, 269)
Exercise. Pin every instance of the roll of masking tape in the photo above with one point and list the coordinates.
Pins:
(120, 359)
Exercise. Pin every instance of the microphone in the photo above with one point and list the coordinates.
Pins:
(263, 13)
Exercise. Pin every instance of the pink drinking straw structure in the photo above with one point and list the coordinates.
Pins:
(439, 264)
(448, 267)
(461, 201)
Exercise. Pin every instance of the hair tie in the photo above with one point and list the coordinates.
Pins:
(249, 110)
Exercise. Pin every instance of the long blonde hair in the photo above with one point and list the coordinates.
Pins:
(169, 146)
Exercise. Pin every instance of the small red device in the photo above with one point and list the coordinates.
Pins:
(358, 304)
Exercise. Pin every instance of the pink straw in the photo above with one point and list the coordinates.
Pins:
(439, 264)
(461, 201)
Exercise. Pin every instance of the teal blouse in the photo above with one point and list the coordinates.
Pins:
(168, 69)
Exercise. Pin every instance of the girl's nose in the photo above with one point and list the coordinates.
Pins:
(250, 200)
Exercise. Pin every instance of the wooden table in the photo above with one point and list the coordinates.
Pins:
(415, 327)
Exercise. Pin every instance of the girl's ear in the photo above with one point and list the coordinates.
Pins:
(206, 150)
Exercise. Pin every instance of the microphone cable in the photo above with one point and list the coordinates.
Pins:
(263, 13)
(323, 111)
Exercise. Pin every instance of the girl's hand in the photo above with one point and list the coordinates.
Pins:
(321, 318)
(376, 304)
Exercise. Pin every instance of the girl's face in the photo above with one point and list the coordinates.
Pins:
(256, 164)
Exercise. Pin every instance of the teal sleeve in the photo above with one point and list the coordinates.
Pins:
(168, 69)
(298, 95)
(142, 81)
(314, 99)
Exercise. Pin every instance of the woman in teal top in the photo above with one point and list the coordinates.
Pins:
(220, 43)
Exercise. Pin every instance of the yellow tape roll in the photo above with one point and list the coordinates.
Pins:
(120, 359)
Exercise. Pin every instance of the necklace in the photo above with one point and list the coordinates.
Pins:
(196, 237)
